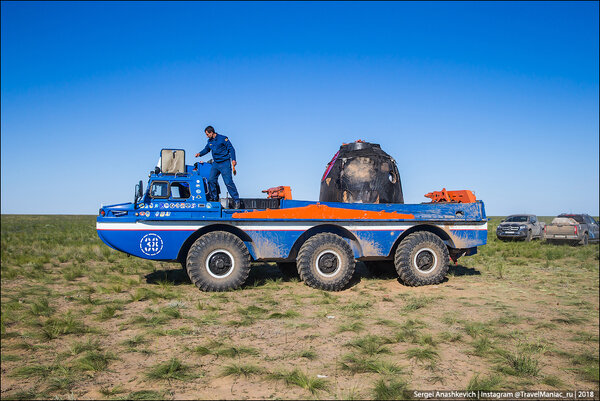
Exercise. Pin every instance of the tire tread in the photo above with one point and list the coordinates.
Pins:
(402, 259)
(194, 264)
(304, 260)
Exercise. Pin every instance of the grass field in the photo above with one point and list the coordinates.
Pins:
(82, 321)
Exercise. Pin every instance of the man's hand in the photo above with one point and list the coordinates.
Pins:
(233, 163)
(197, 155)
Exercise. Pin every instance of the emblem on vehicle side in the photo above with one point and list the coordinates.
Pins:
(151, 244)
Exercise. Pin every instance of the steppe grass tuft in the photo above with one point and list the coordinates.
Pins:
(72, 272)
(146, 395)
(298, 378)
(518, 364)
(41, 307)
(232, 352)
(371, 345)
(582, 336)
(171, 369)
(78, 347)
(218, 348)
(308, 354)
(26, 395)
(95, 361)
(586, 365)
(417, 303)
(422, 355)
(391, 389)
(475, 329)
(107, 392)
(354, 327)
(57, 326)
(134, 341)
(144, 294)
(4, 357)
(553, 381)
(450, 336)
(107, 312)
(286, 315)
(488, 383)
(409, 331)
(242, 369)
(34, 370)
(481, 346)
(366, 364)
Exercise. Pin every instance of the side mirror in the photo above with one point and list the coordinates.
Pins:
(138, 193)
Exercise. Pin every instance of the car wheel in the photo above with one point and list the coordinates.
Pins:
(325, 261)
(218, 261)
(422, 259)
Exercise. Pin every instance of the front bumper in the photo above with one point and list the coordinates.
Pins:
(511, 234)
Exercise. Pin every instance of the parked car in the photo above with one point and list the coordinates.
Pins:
(573, 228)
(520, 226)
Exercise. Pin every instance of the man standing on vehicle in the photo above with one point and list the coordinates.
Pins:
(223, 159)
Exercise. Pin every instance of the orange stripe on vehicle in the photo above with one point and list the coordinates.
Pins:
(319, 212)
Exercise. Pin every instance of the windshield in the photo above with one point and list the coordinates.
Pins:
(517, 219)
(577, 217)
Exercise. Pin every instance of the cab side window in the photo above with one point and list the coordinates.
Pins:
(180, 190)
(159, 189)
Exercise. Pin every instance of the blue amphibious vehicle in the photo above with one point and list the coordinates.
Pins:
(172, 220)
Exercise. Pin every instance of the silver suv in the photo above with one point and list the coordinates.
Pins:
(520, 226)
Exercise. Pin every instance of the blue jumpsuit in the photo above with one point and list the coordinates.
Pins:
(222, 152)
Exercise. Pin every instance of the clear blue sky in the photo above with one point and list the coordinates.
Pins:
(499, 98)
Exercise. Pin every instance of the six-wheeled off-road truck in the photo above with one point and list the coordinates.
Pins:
(172, 220)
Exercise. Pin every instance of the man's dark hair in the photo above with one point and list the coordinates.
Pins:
(209, 129)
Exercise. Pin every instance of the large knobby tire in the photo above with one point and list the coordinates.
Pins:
(585, 240)
(326, 261)
(421, 259)
(529, 236)
(218, 261)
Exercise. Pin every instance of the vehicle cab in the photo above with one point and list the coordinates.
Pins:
(174, 191)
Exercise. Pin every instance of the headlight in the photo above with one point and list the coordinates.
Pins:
(522, 227)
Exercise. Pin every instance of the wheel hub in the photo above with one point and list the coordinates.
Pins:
(327, 262)
(219, 263)
(425, 260)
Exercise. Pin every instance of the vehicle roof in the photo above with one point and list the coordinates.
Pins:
(520, 214)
